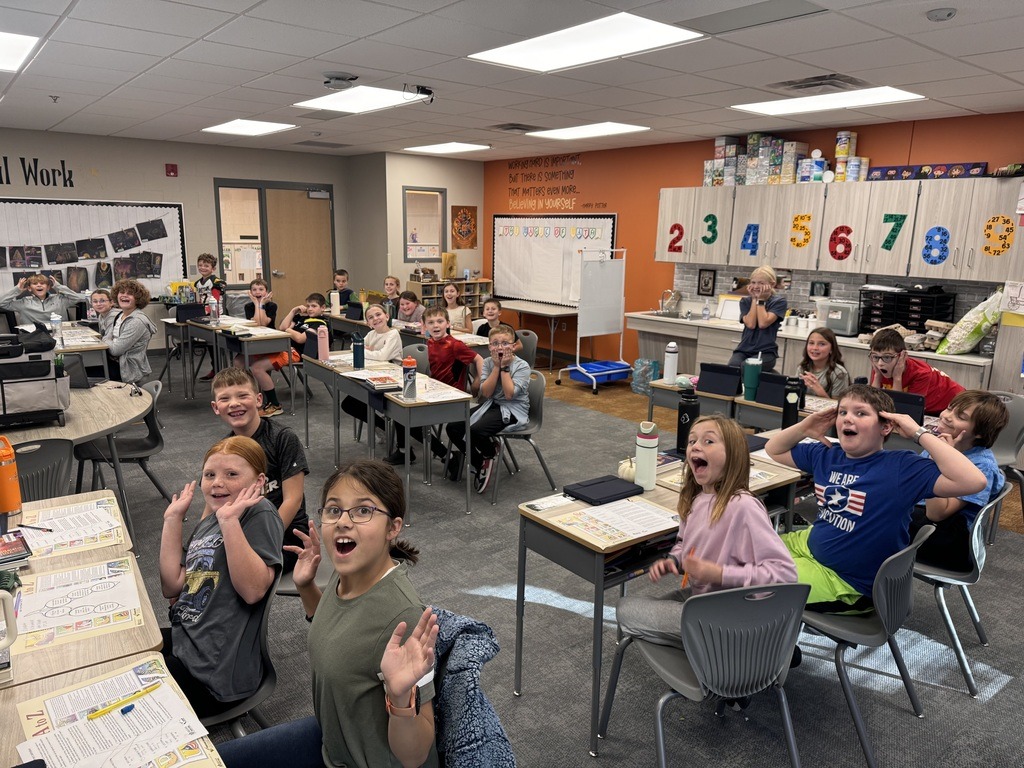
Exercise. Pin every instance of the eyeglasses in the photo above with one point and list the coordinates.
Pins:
(882, 358)
(501, 344)
(358, 515)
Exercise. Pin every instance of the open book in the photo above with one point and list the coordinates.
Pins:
(383, 382)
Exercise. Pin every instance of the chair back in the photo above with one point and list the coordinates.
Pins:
(418, 352)
(538, 385)
(234, 303)
(529, 351)
(893, 589)
(1011, 439)
(479, 323)
(44, 468)
(154, 440)
(987, 515)
(740, 641)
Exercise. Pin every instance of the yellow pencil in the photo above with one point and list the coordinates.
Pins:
(127, 699)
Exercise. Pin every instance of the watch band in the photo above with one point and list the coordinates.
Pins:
(411, 711)
(761, 303)
(921, 431)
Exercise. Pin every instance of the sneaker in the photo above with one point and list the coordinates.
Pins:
(397, 458)
(483, 477)
(454, 472)
(270, 409)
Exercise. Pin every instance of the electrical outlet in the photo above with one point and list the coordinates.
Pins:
(563, 326)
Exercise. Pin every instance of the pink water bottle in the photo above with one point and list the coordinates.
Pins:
(323, 344)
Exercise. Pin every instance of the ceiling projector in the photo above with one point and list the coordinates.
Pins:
(339, 81)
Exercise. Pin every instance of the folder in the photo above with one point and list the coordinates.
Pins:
(602, 490)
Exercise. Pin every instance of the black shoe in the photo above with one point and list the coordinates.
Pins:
(798, 656)
(437, 447)
(454, 472)
(397, 458)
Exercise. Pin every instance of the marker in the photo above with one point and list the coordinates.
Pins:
(36, 528)
(126, 710)
(121, 704)
(686, 576)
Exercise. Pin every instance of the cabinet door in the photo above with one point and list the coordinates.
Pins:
(799, 213)
(938, 248)
(708, 237)
(675, 224)
(841, 246)
(756, 227)
(889, 227)
(993, 245)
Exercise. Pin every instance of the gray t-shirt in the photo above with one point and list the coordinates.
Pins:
(346, 643)
(214, 632)
(756, 340)
(840, 380)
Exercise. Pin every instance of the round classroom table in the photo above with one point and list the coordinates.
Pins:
(96, 412)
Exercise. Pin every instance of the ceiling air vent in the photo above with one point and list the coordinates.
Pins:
(516, 128)
(321, 144)
(819, 85)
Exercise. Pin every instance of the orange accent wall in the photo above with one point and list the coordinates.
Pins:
(627, 182)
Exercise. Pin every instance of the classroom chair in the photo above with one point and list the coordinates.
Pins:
(1009, 443)
(418, 352)
(893, 597)
(287, 587)
(536, 393)
(479, 323)
(942, 579)
(233, 714)
(44, 468)
(529, 350)
(736, 642)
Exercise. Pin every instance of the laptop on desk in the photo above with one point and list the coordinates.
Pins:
(74, 366)
(718, 379)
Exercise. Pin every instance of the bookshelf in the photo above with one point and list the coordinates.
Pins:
(474, 293)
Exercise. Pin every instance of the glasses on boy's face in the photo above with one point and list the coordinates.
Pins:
(358, 515)
(882, 358)
(501, 344)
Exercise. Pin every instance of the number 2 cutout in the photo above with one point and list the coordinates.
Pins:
(673, 245)
(897, 220)
(712, 221)
(936, 246)
(750, 235)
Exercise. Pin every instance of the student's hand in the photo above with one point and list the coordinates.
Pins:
(817, 425)
(902, 424)
(23, 284)
(268, 296)
(702, 571)
(813, 385)
(754, 290)
(309, 556)
(660, 567)
(180, 503)
(248, 496)
(899, 366)
(297, 310)
(404, 664)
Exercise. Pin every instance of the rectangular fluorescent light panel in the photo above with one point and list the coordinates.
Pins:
(589, 131)
(868, 97)
(609, 38)
(14, 49)
(249, 128)
(363, 98)
(449, 148)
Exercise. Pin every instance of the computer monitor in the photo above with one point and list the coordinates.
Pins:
(718, 379)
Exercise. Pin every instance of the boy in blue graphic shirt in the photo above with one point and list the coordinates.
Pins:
(865, 494)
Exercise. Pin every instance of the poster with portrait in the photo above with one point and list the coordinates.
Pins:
(124, 268)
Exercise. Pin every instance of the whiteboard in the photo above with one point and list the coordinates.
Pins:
(91, 244)
(536, 258)
(604, 282)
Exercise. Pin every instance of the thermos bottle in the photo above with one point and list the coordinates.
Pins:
(335, 299)
(689, 411)
(791, 402)
(671, 362)
(409, 378)
(323, 344)
(358, 358)
(10, 490)
(647, 455)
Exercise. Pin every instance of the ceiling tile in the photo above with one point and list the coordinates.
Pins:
(61, 85)
(890, 52)
(117, 39)
(990, 103)
(55, 7)
(54, 52)
(207, 52)
(102, 125)
(469, 72)
(1001, 35)
(966, 86)
(355, 17)
(764, 72)
(908, 16)
(26, 22)
(537, 18)
(701, 55)
(455, 38)
(618, 72)
(193, 70)
(382, 56)
(809, 33)
(152, 15)
(61, 71)
(924, 72)
(279, 38)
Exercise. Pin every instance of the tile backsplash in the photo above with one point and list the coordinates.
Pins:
(844, 285)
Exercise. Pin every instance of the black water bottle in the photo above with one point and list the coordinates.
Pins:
(791, 402)
(689, 410)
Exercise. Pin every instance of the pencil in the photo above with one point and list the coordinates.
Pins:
(37, 528)
(118, 704)
(686, 576)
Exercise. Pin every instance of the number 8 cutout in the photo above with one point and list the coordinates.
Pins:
(936, 246)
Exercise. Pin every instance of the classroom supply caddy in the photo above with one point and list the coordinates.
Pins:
(32, 389)
(601, 313)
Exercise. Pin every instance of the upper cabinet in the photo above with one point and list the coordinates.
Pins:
(693, 225)
(965, 229)
(777, 225)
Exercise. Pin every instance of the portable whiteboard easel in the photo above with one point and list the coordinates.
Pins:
(602, 309)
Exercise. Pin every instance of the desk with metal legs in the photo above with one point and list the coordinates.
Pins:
(550, 311)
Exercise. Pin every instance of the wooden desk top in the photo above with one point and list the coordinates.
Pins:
(424, 386)
(118, 544)
(10, 698)
(94, 412)
(539, 308)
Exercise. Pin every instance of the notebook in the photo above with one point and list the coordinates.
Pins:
(602, 490)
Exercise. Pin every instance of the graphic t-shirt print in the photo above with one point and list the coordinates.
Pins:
(835, 498)
(200, 578)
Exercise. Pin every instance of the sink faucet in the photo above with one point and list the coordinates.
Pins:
(670, 293)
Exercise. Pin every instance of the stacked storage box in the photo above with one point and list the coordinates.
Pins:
(911, 309)
(792, 153)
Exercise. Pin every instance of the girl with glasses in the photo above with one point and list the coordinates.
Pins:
(371, 643)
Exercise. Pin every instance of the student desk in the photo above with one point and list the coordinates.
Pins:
(10, 698)
(207, 332)
(409, 336)
(114, 544)
(750, 413)
(87, 343)
(96, 412)
(539, 309)
(175, 331)
(263, 341)
(664, 393)
(723, 404)
(565, 546)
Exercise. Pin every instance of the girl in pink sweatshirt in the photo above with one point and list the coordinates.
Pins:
(725, 538)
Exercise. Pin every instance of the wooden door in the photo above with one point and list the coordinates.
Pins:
(712, 222)
(938, 249)
(755, 226)
(890, 227)
(841, 244)
(800, 214)
(675, 212)
(300, 247)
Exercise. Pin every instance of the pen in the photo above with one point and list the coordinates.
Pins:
(126, 700)
(37, 528)
(686, 576)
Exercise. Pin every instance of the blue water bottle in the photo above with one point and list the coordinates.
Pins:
(358, 359)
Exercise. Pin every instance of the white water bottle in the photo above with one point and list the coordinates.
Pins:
(671, 362)
(335, 299)
(55, 323)
(705, 314)
(647, 455)
(213, 308)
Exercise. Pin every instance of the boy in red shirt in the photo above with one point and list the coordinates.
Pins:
(891, 368)
(450, 360)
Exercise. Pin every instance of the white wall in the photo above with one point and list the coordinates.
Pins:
(366, 256)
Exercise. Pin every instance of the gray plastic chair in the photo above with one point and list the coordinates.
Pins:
(1009, 443)
(942, 579)
(536, 394)
(286, 587)
(893, 596)
(44, 468)
(736, 642)
(529, 350)
(479, 323)
(418, 352)
(233, 715)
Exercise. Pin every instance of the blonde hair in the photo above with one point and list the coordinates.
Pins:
(735, 479)
(767, 273)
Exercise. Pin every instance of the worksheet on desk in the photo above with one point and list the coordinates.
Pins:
(73, 528)
(620, 521)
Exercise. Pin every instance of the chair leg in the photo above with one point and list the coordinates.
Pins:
(787, 726)
(499, 455)
(144, 464)
(512, 456)
(975, 618)
(954, 639)
(908, 683)
(236, 728)
(851, 702)
(659, 726)
(505, 454)
(81, 476)
(613, 682)
(544, 464)
(261, 721)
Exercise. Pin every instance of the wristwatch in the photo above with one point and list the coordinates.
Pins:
(411, 711)
(761, 302)
(920, 432)
(506, 370)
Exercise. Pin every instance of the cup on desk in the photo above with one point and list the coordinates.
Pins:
(751, 377)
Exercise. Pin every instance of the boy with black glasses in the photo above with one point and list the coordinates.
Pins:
(892, 368)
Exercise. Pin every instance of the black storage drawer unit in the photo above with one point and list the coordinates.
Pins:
(908, 308)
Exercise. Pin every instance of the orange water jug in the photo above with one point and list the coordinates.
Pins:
(10, 490)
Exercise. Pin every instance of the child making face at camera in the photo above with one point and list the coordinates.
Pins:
(822, 367)
(725, 538)
(217, 583)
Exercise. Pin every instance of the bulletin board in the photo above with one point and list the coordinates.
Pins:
(537, 258)
(90, 244)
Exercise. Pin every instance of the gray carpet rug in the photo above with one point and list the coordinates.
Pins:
(468, 565)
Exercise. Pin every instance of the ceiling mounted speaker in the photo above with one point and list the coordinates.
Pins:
(339, 81)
